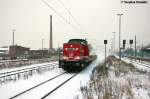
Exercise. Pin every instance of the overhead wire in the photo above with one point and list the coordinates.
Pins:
(60, 1)
(63, 18)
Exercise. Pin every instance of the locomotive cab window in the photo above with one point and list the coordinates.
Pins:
(81, 41)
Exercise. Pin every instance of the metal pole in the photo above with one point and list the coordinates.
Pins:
(135, 48)
(105, 42)
(42, 48)
(114, 41)
(42, 43)
(51, 38)
(105, 58)
(111, 47)
(119, 34)
(58, 52)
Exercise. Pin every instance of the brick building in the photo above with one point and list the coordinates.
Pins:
(18, 51)
(38, 53)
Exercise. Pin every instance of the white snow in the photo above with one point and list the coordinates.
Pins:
(39, 92)
(140, 67)
(141, 93)
(68, 91)
(71, 89)
(13, 88)
(28, 66)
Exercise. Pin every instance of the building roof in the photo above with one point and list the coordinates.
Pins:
(148, 49)
(4, 49)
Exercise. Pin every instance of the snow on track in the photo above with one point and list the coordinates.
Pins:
(24, 67)
(141, 66)
(13, 88)
(71, 89)
(40, 91)
(67, 91)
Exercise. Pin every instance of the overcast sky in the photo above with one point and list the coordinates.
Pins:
(98, 19)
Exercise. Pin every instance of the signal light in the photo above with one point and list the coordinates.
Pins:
(105, 41)
(77, 49)
(65, 57)
(124, 42)
(131, 41)
(77, 57)
(66, 49)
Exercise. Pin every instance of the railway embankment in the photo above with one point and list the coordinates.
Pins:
(117, 79)
(24, 62)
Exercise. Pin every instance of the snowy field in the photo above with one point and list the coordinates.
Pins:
(126, 83)
(24, 67)
(121, 80)
(10, 89)
(69, 91)
(140, 67)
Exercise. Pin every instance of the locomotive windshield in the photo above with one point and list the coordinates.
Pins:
(81, 41)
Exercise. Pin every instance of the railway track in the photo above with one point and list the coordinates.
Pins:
(31, 92)
(139, 63)
(50, 92)
(19, 71)
(146, 65)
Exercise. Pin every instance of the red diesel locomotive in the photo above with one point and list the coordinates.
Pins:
(75, 55)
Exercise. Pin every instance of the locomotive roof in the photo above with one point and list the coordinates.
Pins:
(81, 41)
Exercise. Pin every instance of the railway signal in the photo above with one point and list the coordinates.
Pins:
(135, 49)
(131, 42)
(105, 42)
(124, 42)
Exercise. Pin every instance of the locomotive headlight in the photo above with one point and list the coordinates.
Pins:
(65, 57)
(66, 49)
(77, 49)
(77, 57)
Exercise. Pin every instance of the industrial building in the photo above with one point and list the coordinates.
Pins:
(4, 52)
(38, 53)
(16, 51)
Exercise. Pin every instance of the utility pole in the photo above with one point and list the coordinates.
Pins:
(114, 41)
(119, 34)
(42, 48)
(131, 42)
(105, 42)
(135, 48)
(42, 43)
(111, 44)
(51, 38)
(13, 37)
(59, 55)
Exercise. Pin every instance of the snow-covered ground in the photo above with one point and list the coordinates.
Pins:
(139, 66)
(39, 92)
(28, 66)
(121, 80)
(138, 89)
(69, 91)
(13, 88)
